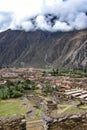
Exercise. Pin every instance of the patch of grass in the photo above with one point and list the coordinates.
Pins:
(11, 106)
(63, 106)
(73, 109)
(37, 115)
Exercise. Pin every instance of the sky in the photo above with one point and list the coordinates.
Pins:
(50, 15)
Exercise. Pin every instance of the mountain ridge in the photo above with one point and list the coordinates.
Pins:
(42, 48)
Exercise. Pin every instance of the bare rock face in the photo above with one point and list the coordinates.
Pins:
(41, 48)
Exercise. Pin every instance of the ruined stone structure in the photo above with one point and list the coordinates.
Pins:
(36, 100)
(51, 105)
(69, 122)
(73, 122)
(59, 97)
(15, 122)
(35, 125)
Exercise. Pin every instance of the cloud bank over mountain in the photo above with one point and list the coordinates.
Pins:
(50, 15)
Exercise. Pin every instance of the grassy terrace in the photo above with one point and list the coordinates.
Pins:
(12, 106)
(73, 109)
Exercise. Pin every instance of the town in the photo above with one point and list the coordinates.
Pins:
(44, 94)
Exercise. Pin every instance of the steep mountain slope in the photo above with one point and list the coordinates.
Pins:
(39, 49)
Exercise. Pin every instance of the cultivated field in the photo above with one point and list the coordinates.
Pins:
(12, 106)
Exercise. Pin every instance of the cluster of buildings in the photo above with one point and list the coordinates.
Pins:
(80, 94)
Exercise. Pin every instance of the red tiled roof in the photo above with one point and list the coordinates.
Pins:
(2, 83)
(67, 87)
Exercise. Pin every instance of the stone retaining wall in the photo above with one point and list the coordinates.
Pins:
(35, 125)
(15, 122)
(69, 122)
(73, 122)
(36, 100)
(59, 97)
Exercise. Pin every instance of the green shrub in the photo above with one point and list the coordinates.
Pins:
(16, 94)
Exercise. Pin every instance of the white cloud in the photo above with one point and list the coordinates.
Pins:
(27, 25)
(17, 14)
(42, 24)
(61, 26)
(81, 21)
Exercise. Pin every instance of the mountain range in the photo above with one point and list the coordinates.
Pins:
(43, 49)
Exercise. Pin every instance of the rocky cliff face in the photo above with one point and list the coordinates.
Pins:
(40, 49)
